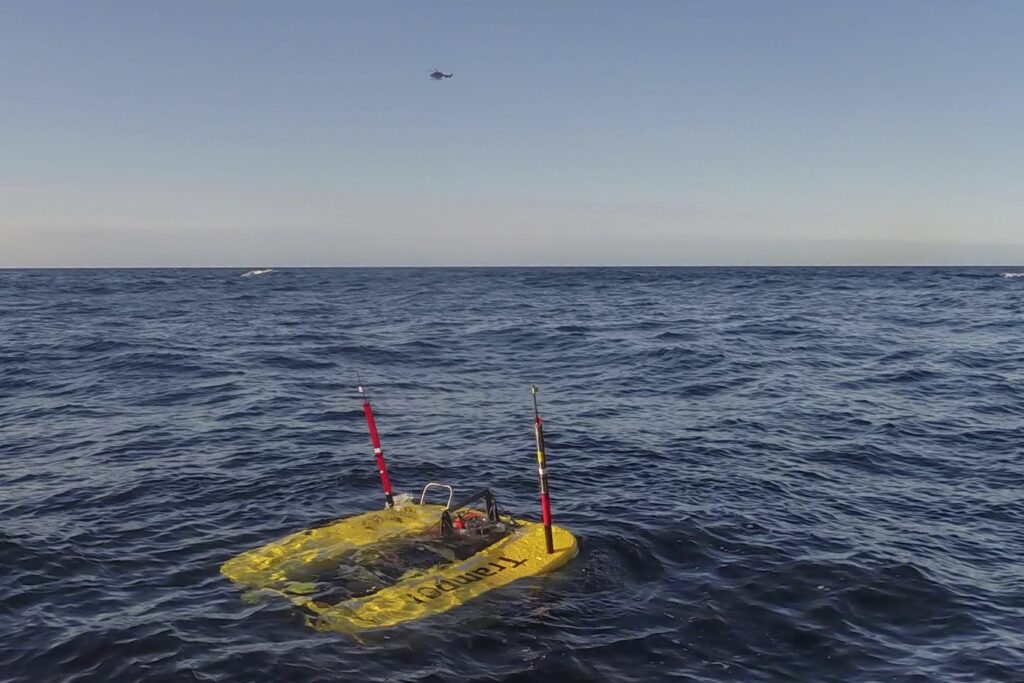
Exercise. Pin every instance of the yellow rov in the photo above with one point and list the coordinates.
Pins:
(511, 549)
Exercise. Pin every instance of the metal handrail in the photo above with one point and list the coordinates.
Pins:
(451, 493)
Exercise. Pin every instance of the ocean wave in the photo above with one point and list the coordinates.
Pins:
(773, 474)
(258, 272)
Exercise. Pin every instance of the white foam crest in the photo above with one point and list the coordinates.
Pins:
(262, 271)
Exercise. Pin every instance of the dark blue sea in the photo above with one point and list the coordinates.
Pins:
(779, 474)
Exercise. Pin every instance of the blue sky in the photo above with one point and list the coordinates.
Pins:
(309, 133)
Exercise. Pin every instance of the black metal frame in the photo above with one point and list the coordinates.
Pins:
(490, 504)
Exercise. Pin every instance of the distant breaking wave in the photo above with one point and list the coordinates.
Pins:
(253, 273)
(1012, 274)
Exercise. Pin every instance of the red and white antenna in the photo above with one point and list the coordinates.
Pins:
(377, 450)
(542, 470)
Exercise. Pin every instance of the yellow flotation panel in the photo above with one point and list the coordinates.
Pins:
(277, 565)
(282, 565)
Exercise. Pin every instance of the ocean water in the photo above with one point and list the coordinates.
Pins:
(774, 474)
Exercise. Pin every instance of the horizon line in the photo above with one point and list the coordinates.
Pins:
(525, 266)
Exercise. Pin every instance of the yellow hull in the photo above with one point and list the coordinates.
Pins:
(280, 566)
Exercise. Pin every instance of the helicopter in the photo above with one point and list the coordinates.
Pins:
(438, 75)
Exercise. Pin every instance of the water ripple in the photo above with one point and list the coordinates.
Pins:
(774, 474)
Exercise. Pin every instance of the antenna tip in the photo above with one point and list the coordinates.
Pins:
(360, 388)
(534, 389)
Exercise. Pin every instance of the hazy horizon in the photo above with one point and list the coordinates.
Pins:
(583, 133)
(822, 253)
